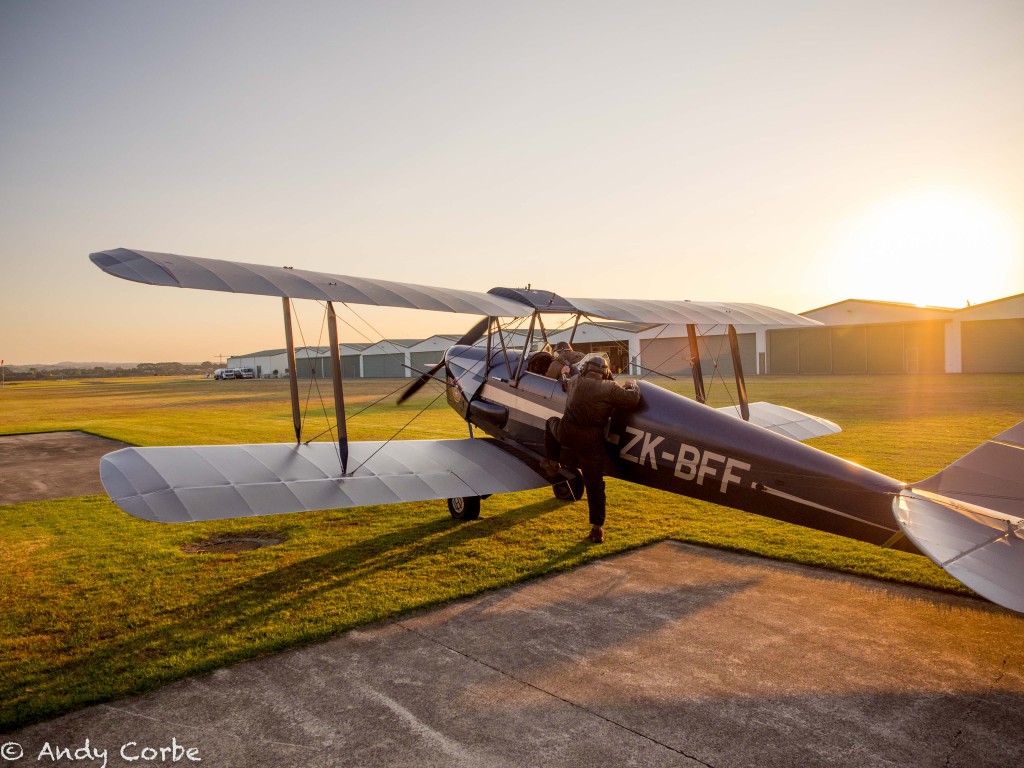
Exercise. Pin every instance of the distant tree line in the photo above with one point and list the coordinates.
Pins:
(21, 373)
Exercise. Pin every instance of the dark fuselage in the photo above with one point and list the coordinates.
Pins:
(679, 445)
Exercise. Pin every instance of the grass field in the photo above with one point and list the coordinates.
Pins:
(95, 604)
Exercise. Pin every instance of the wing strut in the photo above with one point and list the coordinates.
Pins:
(575, 325)
(698, 375)
(339, 393)
(526, 349)
(293, 375)
(737, 365)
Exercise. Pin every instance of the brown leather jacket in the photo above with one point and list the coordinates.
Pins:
(590, 405)
(561, 359)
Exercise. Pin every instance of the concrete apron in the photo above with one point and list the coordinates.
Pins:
(51, 465)
(672, 655)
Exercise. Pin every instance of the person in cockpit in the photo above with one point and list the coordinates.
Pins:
(565, 358)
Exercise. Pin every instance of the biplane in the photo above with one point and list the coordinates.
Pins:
(968, 518)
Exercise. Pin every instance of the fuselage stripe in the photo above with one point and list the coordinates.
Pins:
(518, 402)
(807, 503)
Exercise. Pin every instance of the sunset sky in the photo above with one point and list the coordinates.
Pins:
(788, 153)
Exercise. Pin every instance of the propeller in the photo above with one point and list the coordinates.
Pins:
(472, 336)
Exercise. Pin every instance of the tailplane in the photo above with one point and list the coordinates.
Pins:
(969, 518)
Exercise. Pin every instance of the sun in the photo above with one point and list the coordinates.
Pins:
(935, 247)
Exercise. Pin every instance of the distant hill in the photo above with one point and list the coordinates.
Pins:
(70, 370)
(76, 366)
(66, 364)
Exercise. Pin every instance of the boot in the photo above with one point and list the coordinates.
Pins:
(596, 534)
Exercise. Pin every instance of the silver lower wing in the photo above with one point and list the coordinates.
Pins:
(211, 482)
(784, 421)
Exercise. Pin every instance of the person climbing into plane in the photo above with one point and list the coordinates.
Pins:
(593, 395)
(564, 360)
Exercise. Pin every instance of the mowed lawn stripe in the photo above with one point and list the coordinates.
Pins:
(95, 604)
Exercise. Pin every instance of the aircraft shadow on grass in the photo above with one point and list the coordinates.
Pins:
(968, 518)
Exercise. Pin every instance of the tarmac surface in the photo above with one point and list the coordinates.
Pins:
(673, 655)
(51, 465)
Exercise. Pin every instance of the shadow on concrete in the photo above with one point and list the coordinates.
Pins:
(667, 656)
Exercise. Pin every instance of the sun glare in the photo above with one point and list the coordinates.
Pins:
(937, 247)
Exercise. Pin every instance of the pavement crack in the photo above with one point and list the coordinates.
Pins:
(1002, 670)
(958, 737)
(554, 695)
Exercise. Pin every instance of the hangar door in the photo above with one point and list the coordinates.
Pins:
(384, 366)
(422, 362)
(882, 348)
(320, 367)
(800, 350)
(993, 346)
(350, 366)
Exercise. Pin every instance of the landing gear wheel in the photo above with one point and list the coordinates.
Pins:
(570, 490)
(464, 507)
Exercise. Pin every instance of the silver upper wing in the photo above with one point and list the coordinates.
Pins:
(695, 312)
(209, 482)
(237, 277)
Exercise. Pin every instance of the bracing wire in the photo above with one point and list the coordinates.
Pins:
(367, 407)
(634, 360)
(444, 389)
(356, 329)
(716, 370)
(695, 354)
(313, 380)
(401, 429)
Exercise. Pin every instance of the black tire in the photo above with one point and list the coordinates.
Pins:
(570, 490)
(464, 507)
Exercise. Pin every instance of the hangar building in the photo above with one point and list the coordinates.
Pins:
(659, 348)
(885, 337)
(389, 358)
(858, 336)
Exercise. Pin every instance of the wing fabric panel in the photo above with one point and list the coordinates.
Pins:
(979, 547)
(237, 277)
(969, 518)
(130, 265)
(696, 312)
(784, 421)
(189, 483)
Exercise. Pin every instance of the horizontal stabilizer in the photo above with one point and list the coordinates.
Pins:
(969, 518)
(784, 421)
(991, 476)
(982, 548)
(211, 482)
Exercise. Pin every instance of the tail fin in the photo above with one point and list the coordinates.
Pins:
(969, 518)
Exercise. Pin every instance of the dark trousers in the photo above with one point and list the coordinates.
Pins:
(560, 445)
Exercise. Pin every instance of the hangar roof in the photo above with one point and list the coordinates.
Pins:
(900, 304)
